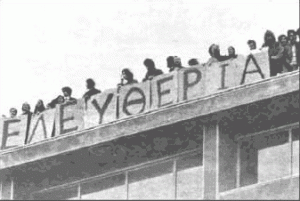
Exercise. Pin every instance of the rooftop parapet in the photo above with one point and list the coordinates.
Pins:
(112, 105)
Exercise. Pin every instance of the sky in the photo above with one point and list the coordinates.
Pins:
(48, 44)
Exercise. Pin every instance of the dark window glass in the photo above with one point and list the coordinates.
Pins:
(265, 157)
(155, 182)
(106, 188)
(58, 194)
(295, 134)
(248, 163)
(190, 177)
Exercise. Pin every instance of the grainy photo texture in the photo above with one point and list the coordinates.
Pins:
(149, 99)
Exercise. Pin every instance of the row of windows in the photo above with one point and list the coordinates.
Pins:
(259, 158)
(176, 179)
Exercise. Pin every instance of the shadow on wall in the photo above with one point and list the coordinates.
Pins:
(111, 105)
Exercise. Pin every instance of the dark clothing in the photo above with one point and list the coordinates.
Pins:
(52, 103)
(175, 68)
(55, 101)
(229, 57)
(275, 51)
(87, 95)
(298, 53)
(296, 48)
(150, 75)
(38, 110)
(287, 58)
(222, 58)
(276, 58)
(216, 59)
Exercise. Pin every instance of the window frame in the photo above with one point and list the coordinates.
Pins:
(240, 139)
(125, 171)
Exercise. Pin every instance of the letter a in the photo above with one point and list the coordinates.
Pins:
(251, 57)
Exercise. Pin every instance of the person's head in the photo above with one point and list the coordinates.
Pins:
(283, 40)
(25, 108)
(231, 51)
(251, 44)
(211, 50)
(177, 61)
(193, 62)
(291, 34)
(39, 107)
(90, 84)
(170, 61)
(127, 74)
(67, 91)
(60, 99)
(214, 50)
(13, 112)
(269, 38)
(40, 103)
(149, 63)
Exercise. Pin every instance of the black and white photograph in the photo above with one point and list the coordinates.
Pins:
(149, 99)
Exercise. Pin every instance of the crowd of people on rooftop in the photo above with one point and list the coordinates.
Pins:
(284, 56)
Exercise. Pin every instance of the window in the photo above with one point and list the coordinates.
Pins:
(189, 177)
(274, 156)
(69, 193)
(180, 178)
(248, 163)
(264, 157)
(155, 182)
(106, 188)
(295, 148)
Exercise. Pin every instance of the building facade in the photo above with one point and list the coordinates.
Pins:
(239, 143)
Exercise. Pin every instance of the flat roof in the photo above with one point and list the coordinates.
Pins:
(226, 99)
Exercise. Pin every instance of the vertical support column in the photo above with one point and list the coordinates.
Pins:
(1, 188)
(127, 185)
(6, 186)
(238, 167)
(227, 159)
(79, 191)
(210, 161)
(291, 146)
(291, 186)
(175, 179)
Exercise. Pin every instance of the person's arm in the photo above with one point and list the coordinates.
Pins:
(52, 103)
(159, 72)
(298, 52)
(72, 100)
(146, 77)
(85, 95)
(289, 54)
(35, 111)
(279, 54)
(223, 58)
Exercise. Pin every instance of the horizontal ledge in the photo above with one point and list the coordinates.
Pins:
(268, 88)
(257, 185)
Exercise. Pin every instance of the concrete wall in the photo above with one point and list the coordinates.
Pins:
(247, 94)
(281, 189)
(219, 172)
(220, 154)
